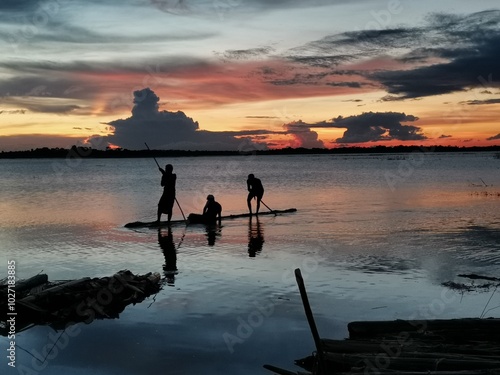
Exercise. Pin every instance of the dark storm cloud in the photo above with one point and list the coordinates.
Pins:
(449, 53)
(168, 130)
(472, 50)
(369, 127)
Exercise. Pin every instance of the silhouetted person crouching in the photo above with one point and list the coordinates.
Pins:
(212, 210)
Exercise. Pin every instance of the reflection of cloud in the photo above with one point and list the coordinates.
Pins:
(169, 130)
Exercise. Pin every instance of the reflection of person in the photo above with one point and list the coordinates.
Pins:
(212, 210)
(255, 190)
(166, 203)
(255, 237)
(166, 241)
(212, 234)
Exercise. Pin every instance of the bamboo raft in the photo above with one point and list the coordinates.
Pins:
(62, 303)
(404, 347)
(156, 224)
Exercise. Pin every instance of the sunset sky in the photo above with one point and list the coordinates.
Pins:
(234, 74)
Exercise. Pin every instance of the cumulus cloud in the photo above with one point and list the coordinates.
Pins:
(169, 130)
(303, 135)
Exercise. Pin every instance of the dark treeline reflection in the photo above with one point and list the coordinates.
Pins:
(255, 236)
(167, 244)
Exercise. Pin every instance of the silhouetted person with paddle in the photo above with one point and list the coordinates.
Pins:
(166, 203)
(212, 210)
(255, 190)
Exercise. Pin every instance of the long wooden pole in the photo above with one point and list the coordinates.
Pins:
(176, 201)
(269, 208)
(310, 320)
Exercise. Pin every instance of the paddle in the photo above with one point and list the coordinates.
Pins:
(176, 201)
(268, 207)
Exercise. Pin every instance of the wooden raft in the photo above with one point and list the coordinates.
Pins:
(156, 224)
(405, 347)
(62, 303)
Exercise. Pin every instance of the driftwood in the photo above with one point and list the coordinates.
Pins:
(62, 303)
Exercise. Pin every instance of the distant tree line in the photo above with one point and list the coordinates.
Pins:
(88, 152)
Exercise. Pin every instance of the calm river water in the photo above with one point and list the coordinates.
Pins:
(374, 236)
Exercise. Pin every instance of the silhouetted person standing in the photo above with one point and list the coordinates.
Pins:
(212, 210)
(166, 203)
(255, 190)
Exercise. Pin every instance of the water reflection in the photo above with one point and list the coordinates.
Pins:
(213, 231)
(255, 236)
(167, 244)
